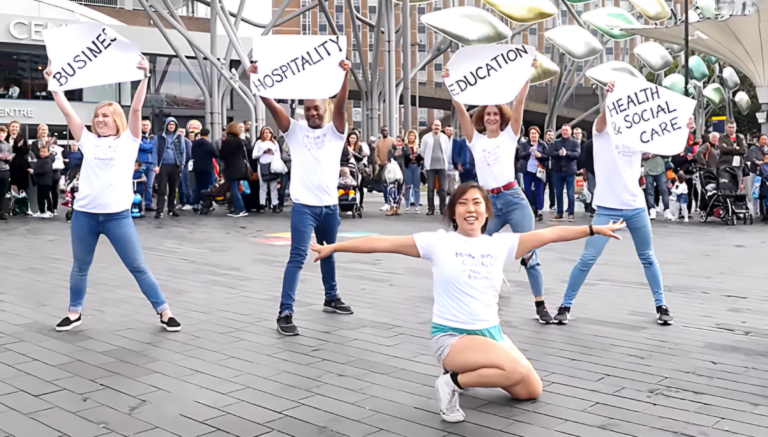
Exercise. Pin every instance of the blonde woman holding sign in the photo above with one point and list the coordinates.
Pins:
(105, 196)
(618, 197)
(492, 134)
(468, 268)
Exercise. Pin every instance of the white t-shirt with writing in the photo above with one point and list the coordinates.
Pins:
(494, 158)
(617, 173)
(106, 176)
(316, 162)
(467, 275)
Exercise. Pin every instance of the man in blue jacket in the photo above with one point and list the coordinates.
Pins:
(564, 155)
(463, 160)
(186, 198)
(145, 156)
(169, 156)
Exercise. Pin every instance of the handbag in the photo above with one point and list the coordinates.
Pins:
(248, 169)
(266, 174)
(541, 173)
(278, 166)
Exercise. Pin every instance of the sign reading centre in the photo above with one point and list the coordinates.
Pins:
(648, 117)
(489, 74)
(298, 67)
(87, 55)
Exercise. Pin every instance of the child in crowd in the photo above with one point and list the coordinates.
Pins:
(139, 181)
(43, 177)
(346, 178)
(680, 190)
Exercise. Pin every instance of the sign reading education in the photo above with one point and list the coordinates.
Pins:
(86, 55)
(648, 117)
(489, 74)
(298, 66)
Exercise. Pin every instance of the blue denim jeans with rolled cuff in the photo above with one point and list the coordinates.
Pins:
(324, 221)
(412, 185)
(149, 172)
(119, 229)
(639, 226)
(512, 208)
(237, 198)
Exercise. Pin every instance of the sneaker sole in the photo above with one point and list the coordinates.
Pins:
(561, 322)
(169, 329)
(660, 322)
(543, 322)
(67, 328)
(287, 333)
(334, 310)
(451, 419)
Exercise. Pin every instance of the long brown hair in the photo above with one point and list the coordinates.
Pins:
(357, 143)
(458, 193)
(478, 118)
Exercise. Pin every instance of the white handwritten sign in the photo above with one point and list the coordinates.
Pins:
(489, 74)
(298, 67)
(86, 55)
(648, 117)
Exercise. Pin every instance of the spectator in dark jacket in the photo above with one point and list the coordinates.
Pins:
(564, 155)
(533, 153)
(43, 177)
(709, 154)
(686, 162)
(755, 158)
(146, 148)
(186, 196)
(203, 155)
(587, 167)
(73, 160)
(285, 178)
(733, 149)
(169, 154)
(234, 155)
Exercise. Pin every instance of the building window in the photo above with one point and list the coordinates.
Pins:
(372, 13)
(306, 20)
(340, 17)
(356, 4)
(548, 49)
(422, 118)
(357, 114)
(564, 17)
(322, 24)
(533, 38)
(609, 51)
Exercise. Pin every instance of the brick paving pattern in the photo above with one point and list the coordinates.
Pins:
(612, 372)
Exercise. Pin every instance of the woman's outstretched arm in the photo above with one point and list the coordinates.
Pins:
(404, 245)
(74, 123)
(464, 119)
(536, 239)
(134, 116)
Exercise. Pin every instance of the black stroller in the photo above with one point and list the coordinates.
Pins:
(719, 196)
(348, 192)
(217, 194)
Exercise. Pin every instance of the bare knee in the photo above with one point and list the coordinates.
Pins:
(528, 387)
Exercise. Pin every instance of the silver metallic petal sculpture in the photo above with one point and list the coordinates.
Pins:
(575, 2)
(698, 68)
(467, 25)
(715, 94)
(524, 11)
(612, 70)
(731, 79)
(654, 10)
(674, 49)
(575, 41)
(712, 60)
(654, 56)
(675, 82)
(743, 102)
(545, 71)
(609, 20)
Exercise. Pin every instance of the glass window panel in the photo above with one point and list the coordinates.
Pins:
(172, 86)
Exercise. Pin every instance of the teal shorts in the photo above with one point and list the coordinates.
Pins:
(443, 337)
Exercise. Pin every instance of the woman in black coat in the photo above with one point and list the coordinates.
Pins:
(234, 155)
(19, 163)
(533, 155)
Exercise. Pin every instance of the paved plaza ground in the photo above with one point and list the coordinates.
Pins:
(612, 372)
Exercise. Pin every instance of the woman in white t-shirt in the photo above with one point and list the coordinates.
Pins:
(264, 151)
(105, 196)
(468, 269)
(618, 196)
(492, 134)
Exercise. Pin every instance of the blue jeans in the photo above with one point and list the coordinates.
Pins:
(203, 181)
(324, 221)
(149, 171)
(237, 199)
(413, 185)
(185, 194)
(533, 183)
(511, 208)
(639, 227)
(568, 181)
(118, 228)
(651, 181)
(519, 178)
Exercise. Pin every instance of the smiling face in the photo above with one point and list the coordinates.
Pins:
(471, 213)
(412, 137)
(104, 122)
(266, 135)
(314, 113)
(534, 136)
(14, 128)
(353, 140)
(42, 131)
(492, 119)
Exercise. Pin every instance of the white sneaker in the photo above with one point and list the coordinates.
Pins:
(46, 215)
(668, 215)
(418, 211)
(384, 208)
(408, 210)
(448, 398)
(238, 214)
(55, 213)
(186, 207)
(349, 213)
(686, 220)
(37, 214)
(652, 214)
(659, 208)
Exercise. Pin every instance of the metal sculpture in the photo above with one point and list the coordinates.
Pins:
(576, 42)
(524, 11)
(467, 25)
(654, 56)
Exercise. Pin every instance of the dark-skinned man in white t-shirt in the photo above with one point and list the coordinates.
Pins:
(316, 161)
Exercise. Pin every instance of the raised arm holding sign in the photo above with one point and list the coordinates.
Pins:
(492, 134)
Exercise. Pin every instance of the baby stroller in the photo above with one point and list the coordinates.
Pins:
(719, 196)
(71, 193)
(216, 195)
(348, 189)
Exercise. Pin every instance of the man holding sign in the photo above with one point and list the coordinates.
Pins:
(492, 137)
(618, 139)
(316, 156)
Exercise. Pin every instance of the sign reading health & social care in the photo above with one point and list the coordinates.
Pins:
(298, 66)
(489, 74)
(648, 117)
(86, 55)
